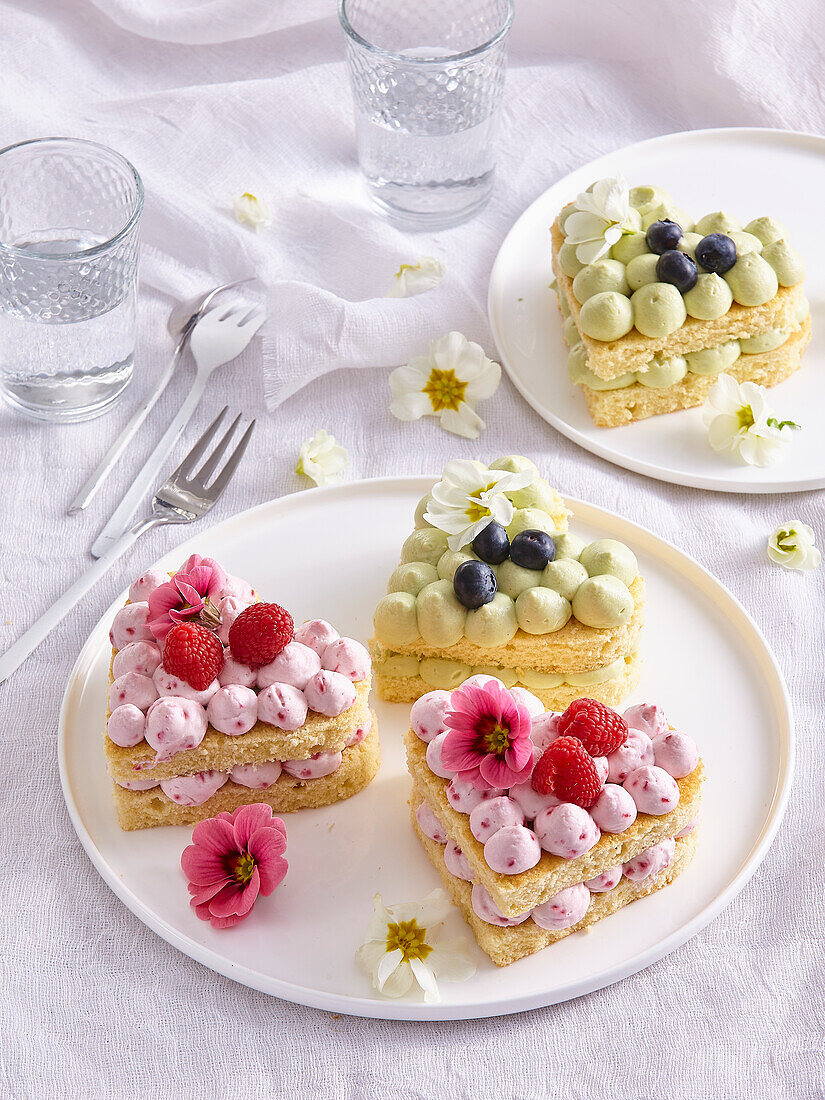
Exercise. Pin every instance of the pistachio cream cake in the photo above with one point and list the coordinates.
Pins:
(656, 305)
(492, 581)
(216, 701)
(541, 824)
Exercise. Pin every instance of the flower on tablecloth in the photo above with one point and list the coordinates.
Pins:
(447, 383)
(322, 459)
(740, 421)
(488, 742)
(600, 217)
(190, 594)
(411, 279)
(469, 497)
(403, 947)
(251, 210)
(232, 859)
(792, 546)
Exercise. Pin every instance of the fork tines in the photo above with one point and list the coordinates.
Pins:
(185, 474)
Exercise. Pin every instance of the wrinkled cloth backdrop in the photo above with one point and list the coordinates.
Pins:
(214, 98)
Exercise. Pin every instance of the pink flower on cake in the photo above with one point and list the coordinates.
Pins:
(190, 594)
(488, 741)
(233, 858)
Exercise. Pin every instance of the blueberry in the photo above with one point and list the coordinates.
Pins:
(677, 268)
(491, 544)
(532, 549)
(474, 583)
(663, 235)
(716, 253)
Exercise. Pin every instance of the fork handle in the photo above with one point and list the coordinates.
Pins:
(147, 477)
(17, 653)
(106, 464)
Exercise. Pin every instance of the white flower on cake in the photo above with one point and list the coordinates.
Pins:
(402, 948)
(447, 383)
(411, 279)
(469, 496)
(250, 209)
(741, 422)
(599, 219)
(792, 546)
(322, 459)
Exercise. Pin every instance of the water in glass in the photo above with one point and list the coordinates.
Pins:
(71, 349)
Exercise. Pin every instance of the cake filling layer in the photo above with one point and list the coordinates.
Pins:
(194, 789)
(506, 943)
(663, 371)
(438, 672)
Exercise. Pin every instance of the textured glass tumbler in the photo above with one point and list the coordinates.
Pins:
(427, 79)
(69, 216)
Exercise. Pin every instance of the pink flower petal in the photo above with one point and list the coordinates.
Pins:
(202, 911)
(495, 772)
(247, 819)
(188, 591)
(202, 894)
(249, 894)
(211, 580)
(266, 847)
(228, 901)
(163, 599)
(203, 866)
(458, 752)
(520, 753)
(216, 834)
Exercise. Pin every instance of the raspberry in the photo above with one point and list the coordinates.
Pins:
(259, 634)
(567, 770)
(194, 654)
(600, 729)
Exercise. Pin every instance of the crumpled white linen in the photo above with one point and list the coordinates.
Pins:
(94, 1004)
(206, 22)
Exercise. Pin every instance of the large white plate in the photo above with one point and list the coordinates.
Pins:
(747, 172)
(328, 552)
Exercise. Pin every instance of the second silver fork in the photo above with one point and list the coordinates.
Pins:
(184, 497)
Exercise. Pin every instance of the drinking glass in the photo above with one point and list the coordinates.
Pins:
(69, 216)
(427, 78)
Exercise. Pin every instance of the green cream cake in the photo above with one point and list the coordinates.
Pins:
(655, 306)
(491, 580)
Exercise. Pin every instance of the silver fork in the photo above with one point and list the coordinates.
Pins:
(216, 338)
(194, 313)
(185, 497)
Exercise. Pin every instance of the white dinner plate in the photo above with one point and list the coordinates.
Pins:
(328, 553)
(747, 172)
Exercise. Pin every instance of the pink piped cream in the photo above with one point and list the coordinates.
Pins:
(315, 675)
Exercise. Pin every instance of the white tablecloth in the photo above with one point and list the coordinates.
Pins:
(94, 1005)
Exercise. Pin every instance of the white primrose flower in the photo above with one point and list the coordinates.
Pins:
(447, 383)
(792, 546)
(469, 497)
(402, 948)
(599, 219)
(741, 422)
(322, 459)
(411, 279)
(250, 209)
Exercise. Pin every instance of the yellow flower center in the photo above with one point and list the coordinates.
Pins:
(493, 736)
(444, 390)
(243, 867)
(745, 417)
(475, 509)
(786, 540)
(409, 938)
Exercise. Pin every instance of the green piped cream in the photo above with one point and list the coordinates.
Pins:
(662, 373)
